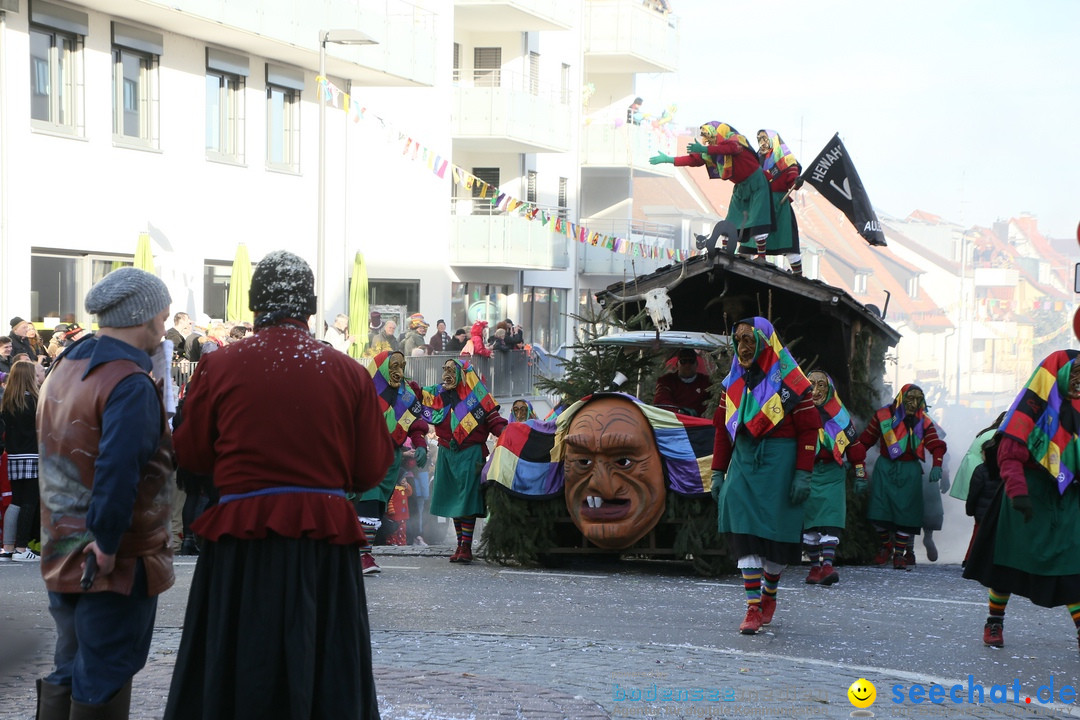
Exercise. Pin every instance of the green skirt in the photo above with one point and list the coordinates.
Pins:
(385, 489)
(896, 494)
(751, 206)
(1050, 543)
(456, 491)
(827, 505)
(784, 239)
(754, 499)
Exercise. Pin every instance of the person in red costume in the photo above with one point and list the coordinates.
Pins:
(727, 155)
(763, 461)
(686, 390)
(782, 171)
(276, 623)
(476, 344)
(905, 433)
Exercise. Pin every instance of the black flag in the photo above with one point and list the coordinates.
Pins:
(835, 177)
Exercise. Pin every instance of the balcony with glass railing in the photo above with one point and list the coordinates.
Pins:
(606, 145)
(601, 261)
(629, 36)
(513, 15)
(497, 110)
(481, 235)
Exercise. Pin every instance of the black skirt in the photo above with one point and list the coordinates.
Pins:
(781, 553)
(1044, 590)
(275, 628)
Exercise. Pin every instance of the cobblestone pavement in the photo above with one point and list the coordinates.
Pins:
(531, 669)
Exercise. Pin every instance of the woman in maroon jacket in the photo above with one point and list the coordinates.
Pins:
(276, 623)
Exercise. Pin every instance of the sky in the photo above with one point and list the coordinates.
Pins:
(966, 109)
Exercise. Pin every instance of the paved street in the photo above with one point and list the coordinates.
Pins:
(644, 639)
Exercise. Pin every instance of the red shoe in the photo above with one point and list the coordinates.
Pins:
(909, 558)
(456, 557)
(883, 554)
(368, 565)
(898, 563)
(752, 623)
(465, 554)
(829, 576)
(815, 575)
(992, 635)
(768, 608)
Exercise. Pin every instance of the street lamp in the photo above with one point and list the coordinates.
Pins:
(338, 37)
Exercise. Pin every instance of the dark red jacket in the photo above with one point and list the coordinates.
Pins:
(280, 410)
(744, 161)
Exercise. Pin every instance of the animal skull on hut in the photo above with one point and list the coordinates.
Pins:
(657, 302)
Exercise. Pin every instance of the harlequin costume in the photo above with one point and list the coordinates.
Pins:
(728, 156)
(825, 511)
(782, 171)
(896, 493)
(463, 416)
(402, 410)
(765, 442)
(1029, 541)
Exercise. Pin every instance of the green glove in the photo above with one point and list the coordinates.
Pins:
(1022, 505)
(717, 482)
(696, 147)
(661, 159)
(935, 474)
(800, 487)
(420, 454)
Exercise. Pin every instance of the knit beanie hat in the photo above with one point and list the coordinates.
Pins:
(16, 322)
(127, 297)
(282, 286)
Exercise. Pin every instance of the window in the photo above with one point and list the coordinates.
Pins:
(225, 78)
(484, 206)
(56, 39)
(530, 190)
(913, 286)
(860, 282)
(283, 87)
(457, 62)
(563, 213)
(543, 316)
(487, 66)
(534, 73)
(564, 85)
(135, 100)
(59, 282)
(394, 292)
(216, 278)
(470, 302)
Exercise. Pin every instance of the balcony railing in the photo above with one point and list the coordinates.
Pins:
(502, 111)
(606, 145)
(484, 236)
(626, 36)
(601, 261)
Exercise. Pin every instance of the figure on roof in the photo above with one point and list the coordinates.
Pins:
(727, 155)
(782, 171)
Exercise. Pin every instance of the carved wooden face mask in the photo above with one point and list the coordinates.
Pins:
(914, 401)
(819, 388)
(1074, 380)
(614, 476)
(396, 369)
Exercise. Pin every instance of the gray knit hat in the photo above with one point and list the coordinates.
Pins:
(127, 297)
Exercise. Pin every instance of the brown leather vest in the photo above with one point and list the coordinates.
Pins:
(69, 434)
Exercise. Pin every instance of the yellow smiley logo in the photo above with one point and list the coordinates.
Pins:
(862, 693)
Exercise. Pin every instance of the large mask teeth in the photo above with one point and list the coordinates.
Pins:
(594, 501)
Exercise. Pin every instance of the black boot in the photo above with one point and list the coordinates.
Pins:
(118, 708)
(53, 701)
(189, 546)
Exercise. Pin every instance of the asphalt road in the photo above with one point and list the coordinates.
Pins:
(590, 632)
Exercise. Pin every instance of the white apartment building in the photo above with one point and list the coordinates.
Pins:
(197, 122)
